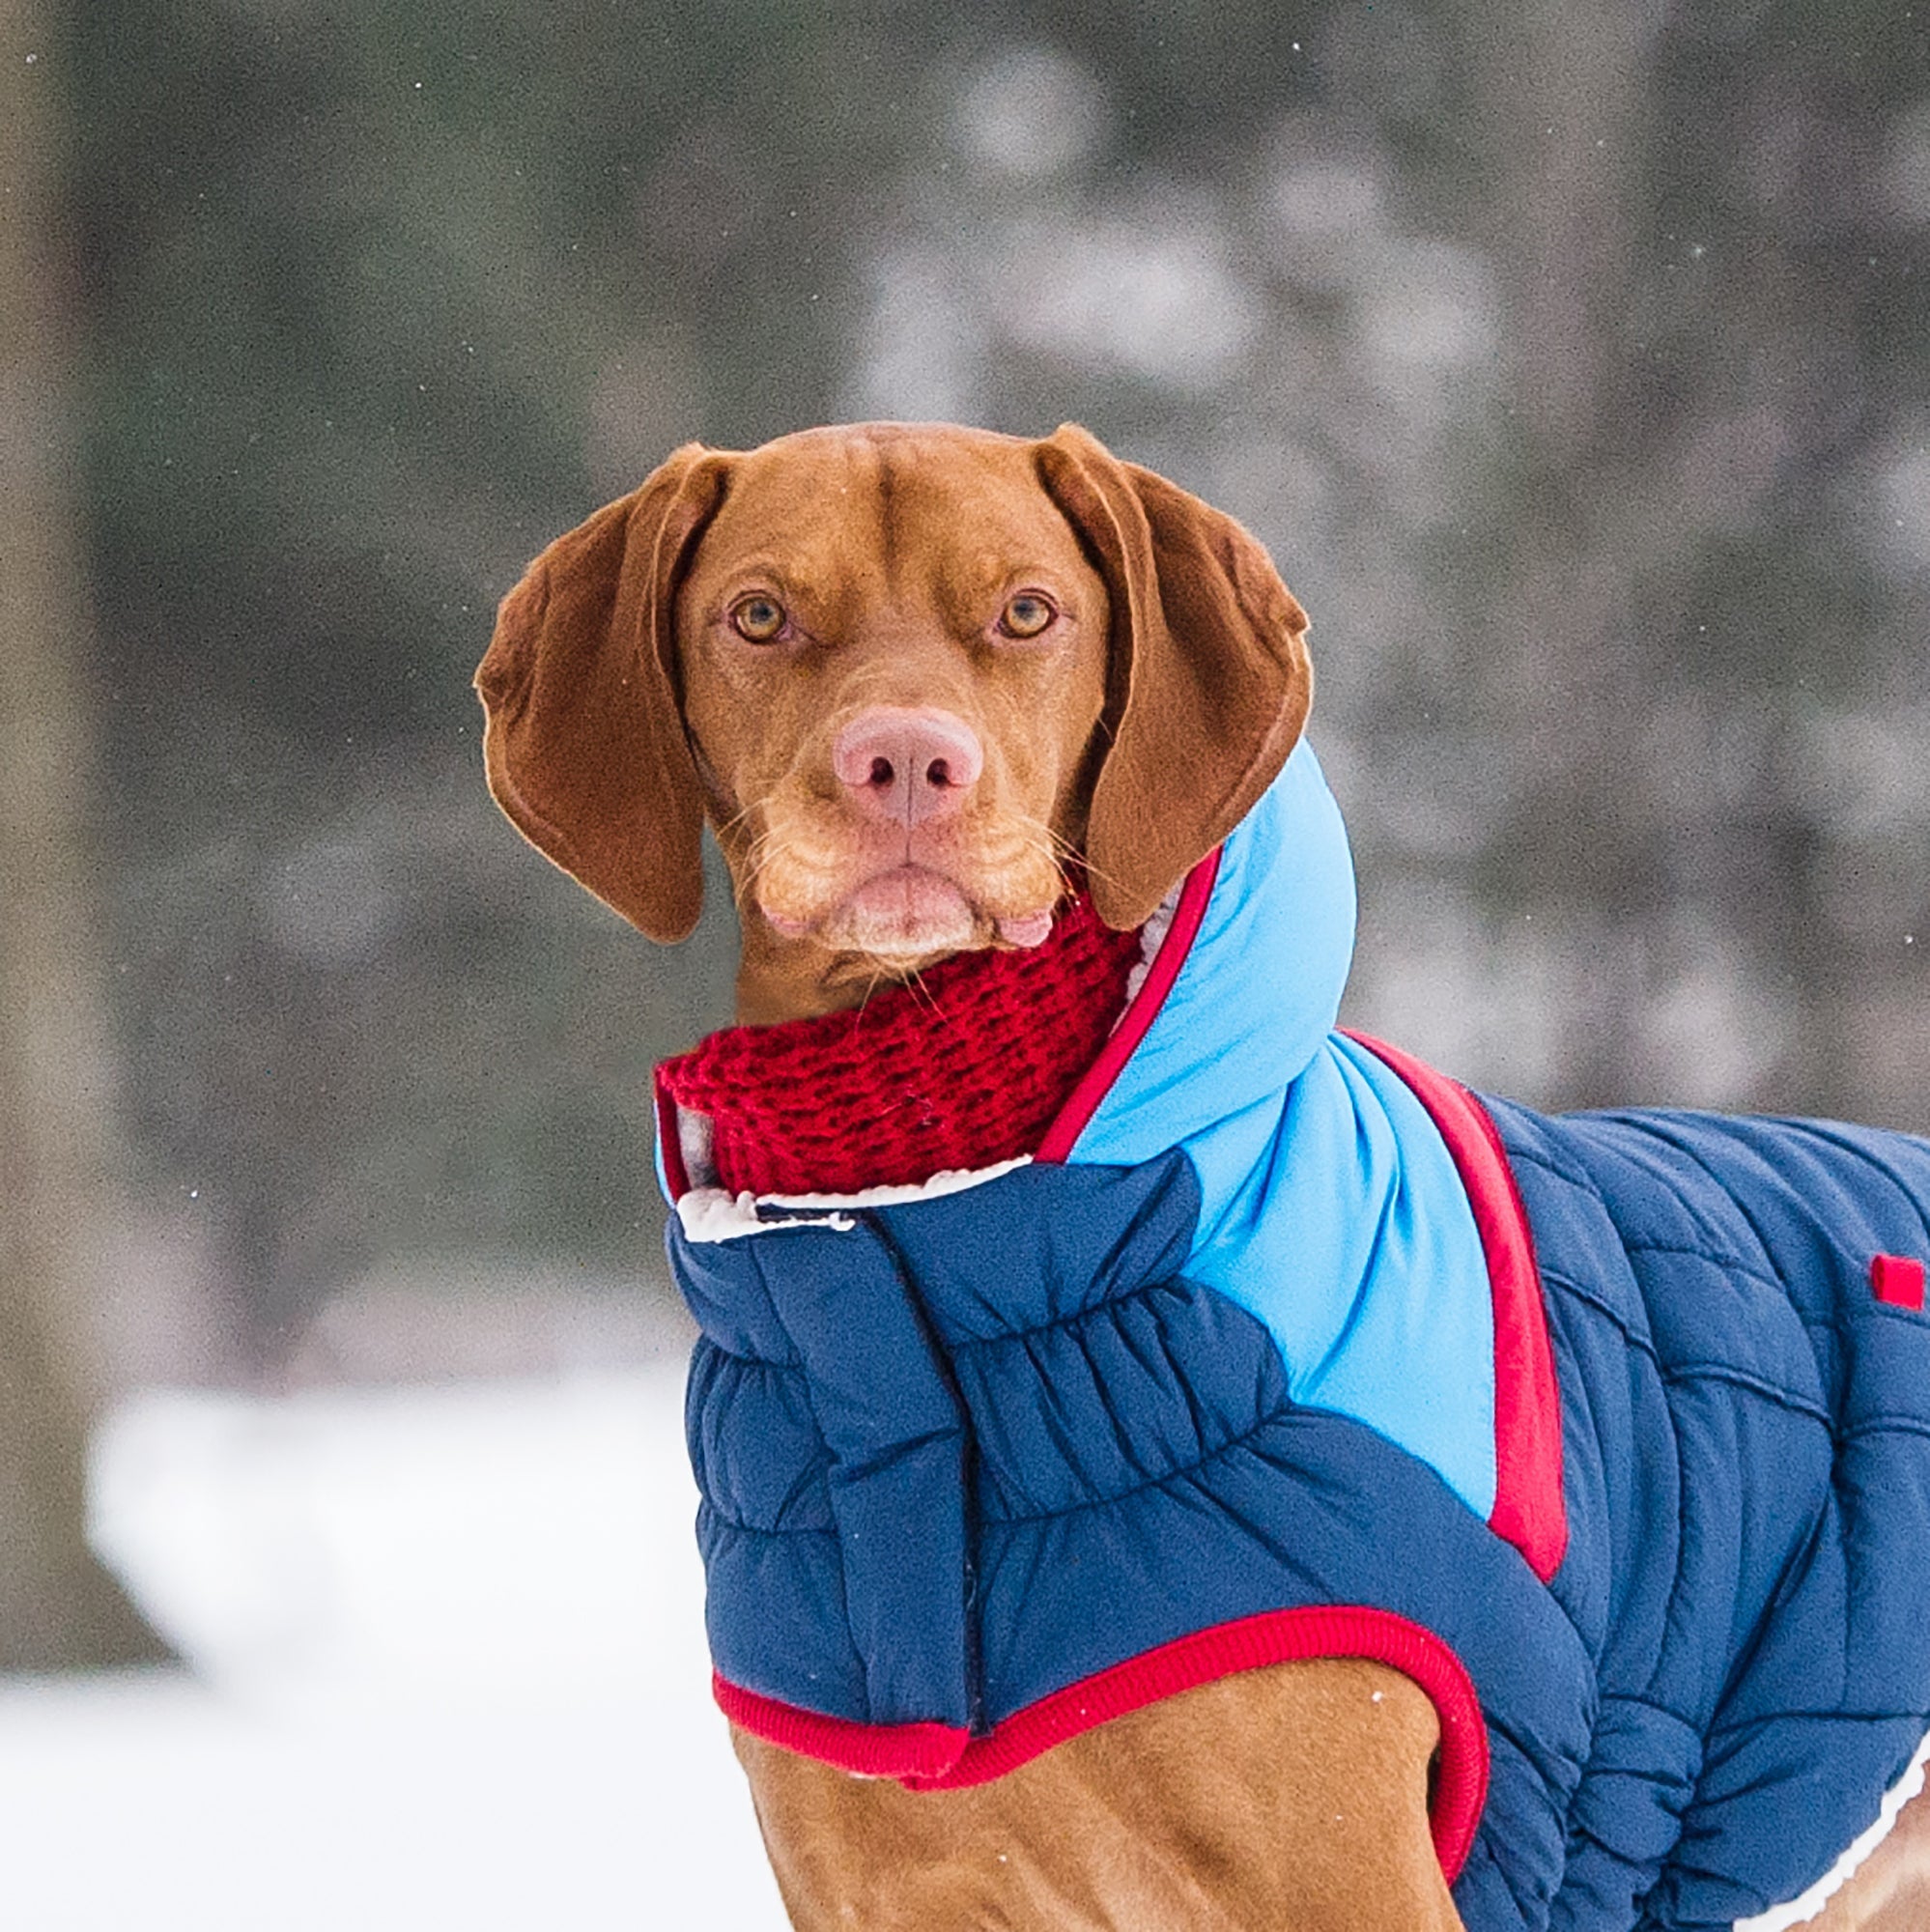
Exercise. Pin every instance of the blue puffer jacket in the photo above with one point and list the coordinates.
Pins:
(1265, 1361)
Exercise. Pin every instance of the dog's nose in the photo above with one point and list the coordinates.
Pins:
(907, 764)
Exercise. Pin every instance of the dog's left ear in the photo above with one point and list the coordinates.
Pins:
(1209, 684)
(584, 742)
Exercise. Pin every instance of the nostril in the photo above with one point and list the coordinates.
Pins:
(882, 774)
(938, 773)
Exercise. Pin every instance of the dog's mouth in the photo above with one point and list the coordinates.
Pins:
(911, 912)
(902, 896)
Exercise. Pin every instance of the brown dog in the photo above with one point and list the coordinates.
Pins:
(905, 672)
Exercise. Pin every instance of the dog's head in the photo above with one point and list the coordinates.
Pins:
(906, 670)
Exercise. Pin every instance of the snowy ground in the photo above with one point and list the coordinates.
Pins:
(447, 1672)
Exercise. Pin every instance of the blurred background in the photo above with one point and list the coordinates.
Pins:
(1572, 360)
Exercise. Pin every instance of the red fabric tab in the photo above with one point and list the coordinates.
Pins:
(1530, 1510)
(961, 1070)
(1898, 1281)
(1249, 1643)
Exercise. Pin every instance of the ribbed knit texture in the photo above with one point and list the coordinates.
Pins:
(964, 1068)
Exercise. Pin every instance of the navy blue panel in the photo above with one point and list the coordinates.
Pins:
(1749, 1840)
(1626, 1817)
(771, 1479)
(889, 1456)
(1749, 1483)
(774, 1607)
(1042, 1244)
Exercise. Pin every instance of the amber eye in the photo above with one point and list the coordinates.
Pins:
(760, 618)
(1026, 614)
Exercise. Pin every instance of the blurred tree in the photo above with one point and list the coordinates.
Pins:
(58, 1607)
(1702, 266)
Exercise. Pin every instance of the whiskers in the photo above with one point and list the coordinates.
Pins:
(757, 859)
(912, 980)
(1038, 839)
(744, 875)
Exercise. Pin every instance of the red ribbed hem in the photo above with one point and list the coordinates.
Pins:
(1530, 1510)
(936, 1757)
(1096, 1082)
(910, 1752)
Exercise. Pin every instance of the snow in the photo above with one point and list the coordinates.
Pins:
(446, 1670)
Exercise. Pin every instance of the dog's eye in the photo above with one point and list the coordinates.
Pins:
(1026, 614)
(758, 618)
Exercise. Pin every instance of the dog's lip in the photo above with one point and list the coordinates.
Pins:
(904, 912)
(913, 908)
(1026, 928)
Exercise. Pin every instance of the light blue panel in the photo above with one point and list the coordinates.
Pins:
(1262, 986)
(1351, 1239)
(1331, 1207)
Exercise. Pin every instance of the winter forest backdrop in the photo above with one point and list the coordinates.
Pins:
(1572, 358)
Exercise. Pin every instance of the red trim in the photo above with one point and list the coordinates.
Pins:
(1898, 1281)
(1529, 1508)
(912, 1753)
(1124, 1040)
(671, 1143)
(935, 1757)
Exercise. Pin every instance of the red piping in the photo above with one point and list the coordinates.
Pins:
(1529, 1510)
(1123, 1041)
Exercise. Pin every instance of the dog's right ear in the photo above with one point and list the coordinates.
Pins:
(584, 740)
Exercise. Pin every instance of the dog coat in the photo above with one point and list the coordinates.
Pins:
(1613, 1431)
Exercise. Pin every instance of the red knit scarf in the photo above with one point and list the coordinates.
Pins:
(964, 1068)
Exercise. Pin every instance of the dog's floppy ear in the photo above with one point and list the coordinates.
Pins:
(584, 739)
(1209, 682)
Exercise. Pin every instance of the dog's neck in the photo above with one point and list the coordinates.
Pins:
(780, 978)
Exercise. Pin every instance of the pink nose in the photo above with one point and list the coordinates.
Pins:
(913, 766)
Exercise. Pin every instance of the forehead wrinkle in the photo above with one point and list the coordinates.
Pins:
(890, 533)
(974, 569)
(828, 515)
(793, 550)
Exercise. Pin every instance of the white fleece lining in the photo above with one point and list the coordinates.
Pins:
(1152, 937)
(696, 1135)
(715, 1215)
(1800, 1911)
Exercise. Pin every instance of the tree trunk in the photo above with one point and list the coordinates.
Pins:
(59, 1609)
